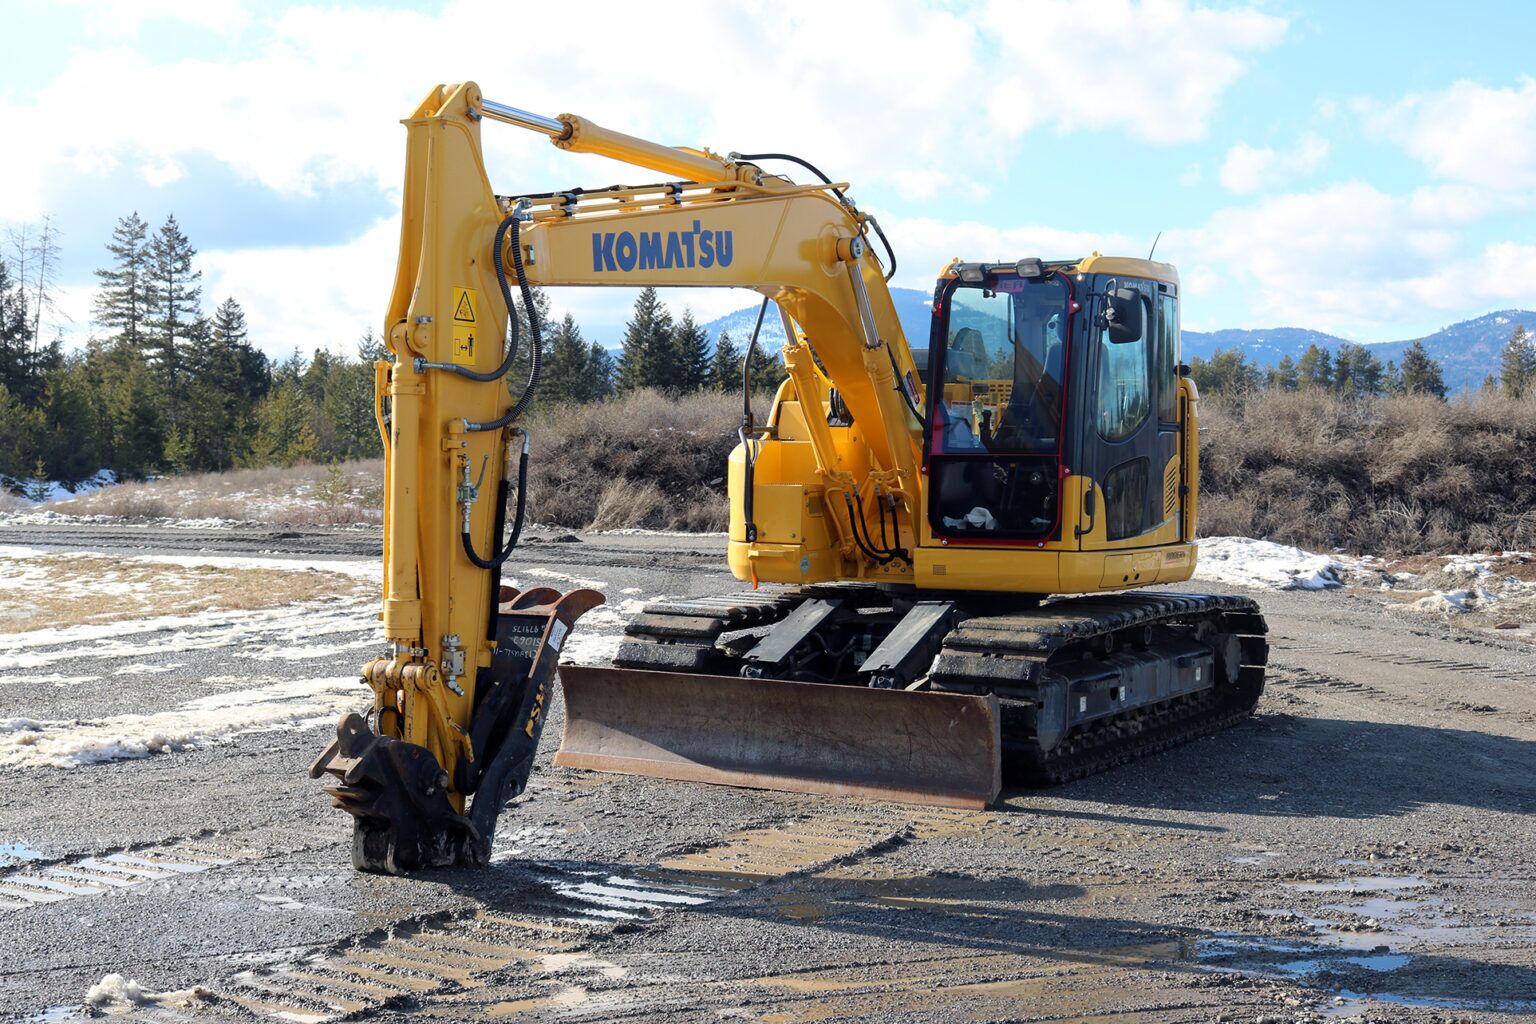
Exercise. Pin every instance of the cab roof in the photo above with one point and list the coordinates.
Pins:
(1094, 263)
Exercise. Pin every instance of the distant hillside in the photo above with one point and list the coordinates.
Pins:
(914, 308)
(1265, 347)
(1469, 351)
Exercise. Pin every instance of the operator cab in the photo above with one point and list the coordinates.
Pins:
(1034, 368)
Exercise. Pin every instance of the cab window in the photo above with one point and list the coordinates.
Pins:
(1003, 365)
(1124, 392)
(1167, 359)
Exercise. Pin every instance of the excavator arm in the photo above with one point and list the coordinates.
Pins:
(459, 699)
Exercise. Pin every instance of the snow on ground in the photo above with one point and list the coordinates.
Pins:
(1265, 565)
(363, 569)
(202, 721)
(1484, 587)
(560, 577)
(41, 491)
(254, 632)
(597, 634)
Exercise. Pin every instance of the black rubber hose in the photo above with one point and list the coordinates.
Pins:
(906, 399)
(746, 368)
(890, 271)
(752, 157)
(536, 354)
(512, 329)
(855, 520)
(517, 521)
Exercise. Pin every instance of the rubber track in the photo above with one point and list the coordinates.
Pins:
(1007, 654)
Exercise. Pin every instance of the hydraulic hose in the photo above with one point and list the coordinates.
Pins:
(535, 329)
(504, 553)
(746, 368)
(513, 338)
(752, 157)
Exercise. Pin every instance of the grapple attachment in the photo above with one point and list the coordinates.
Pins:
(911, 746)
(404, 802)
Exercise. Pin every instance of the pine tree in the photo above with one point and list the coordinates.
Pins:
(1392, 380)
(601, 371)
(648, 359)
(1517, 363)
(1421, 374)
(72, 441)
(121, 301)
(1283, 376)
(725, 370)
(565, 375)
(284, 433)
(19, 429)
(1315, 368)
(174, 297)
(16, 371)
(1357, 372)
(768, 370)
(690, 347)
(1227, 372)
(135, 406)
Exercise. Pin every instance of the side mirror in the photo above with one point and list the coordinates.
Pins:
(1123, 316)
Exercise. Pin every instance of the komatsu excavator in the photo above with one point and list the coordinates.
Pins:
(941, 550)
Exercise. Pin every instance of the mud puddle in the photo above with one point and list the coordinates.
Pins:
(1394, 945)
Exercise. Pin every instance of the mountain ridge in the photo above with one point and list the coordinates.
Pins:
(1467, 350)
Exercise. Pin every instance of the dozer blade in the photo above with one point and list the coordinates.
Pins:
(910, 746)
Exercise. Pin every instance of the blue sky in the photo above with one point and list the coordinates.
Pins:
(1365, 169)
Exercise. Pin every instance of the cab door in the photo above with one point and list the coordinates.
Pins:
(1131, 437)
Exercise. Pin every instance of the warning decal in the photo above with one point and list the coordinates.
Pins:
(465, 302)
(464, 345)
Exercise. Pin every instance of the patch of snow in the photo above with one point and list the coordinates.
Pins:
(597, 635)
(1265, 565)
(635, 531)
(116, 989)
(370, 569)
(202, 721)
(575, 581)
(1455, 602)
(44, 679)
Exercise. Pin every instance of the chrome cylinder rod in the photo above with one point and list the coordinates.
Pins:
(553, 127)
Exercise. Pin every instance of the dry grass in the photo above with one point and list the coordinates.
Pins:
(1395, 475)
(644, 460)
(74, 589)
(298, 495)
(1392, 476)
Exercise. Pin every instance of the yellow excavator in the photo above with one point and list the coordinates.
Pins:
(939, 544)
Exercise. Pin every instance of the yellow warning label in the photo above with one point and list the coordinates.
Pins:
(464, 344)
(465, 302)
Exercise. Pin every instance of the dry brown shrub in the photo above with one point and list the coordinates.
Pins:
(1393, 475)
(305, 494)
(642, 460)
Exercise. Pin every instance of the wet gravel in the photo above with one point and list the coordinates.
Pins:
(1359, 848)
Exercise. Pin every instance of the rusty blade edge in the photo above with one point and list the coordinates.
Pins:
(761, 780)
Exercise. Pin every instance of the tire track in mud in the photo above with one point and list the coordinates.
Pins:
(436, 963)
(42, 883)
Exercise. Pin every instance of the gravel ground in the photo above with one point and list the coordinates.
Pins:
(1360, 848)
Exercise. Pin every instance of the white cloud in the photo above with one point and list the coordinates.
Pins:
(117, 18)
(1250, 169)
(1350, 259)
(312, 104)
(925, 245)
(1156, 69)
(1468, 132)
(309, 104)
